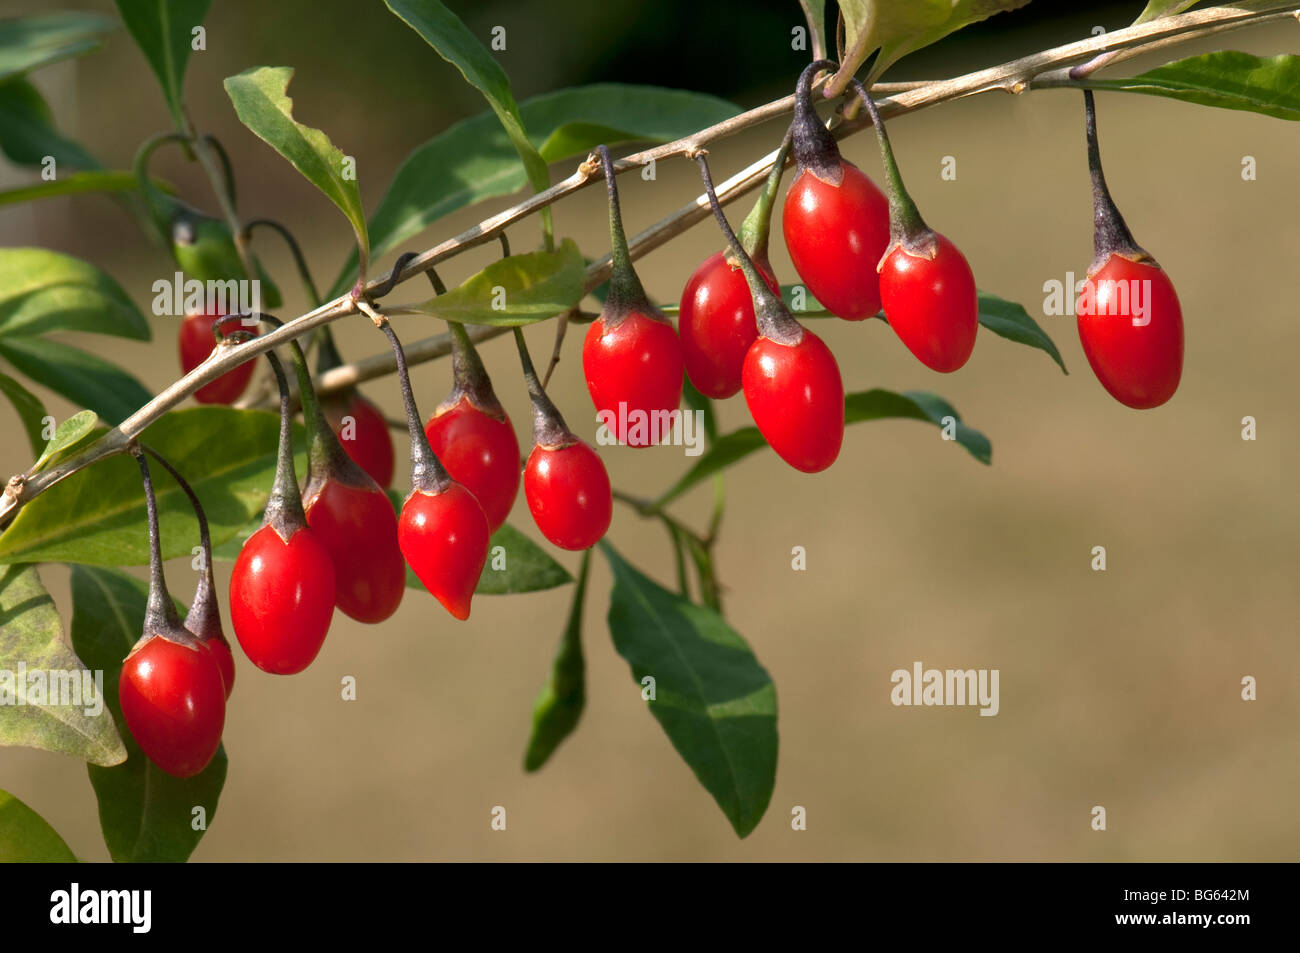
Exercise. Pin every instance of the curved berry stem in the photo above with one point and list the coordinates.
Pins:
(299, 260)
(549, 428)
(906, 226)
(227, 170)
(774, 320)
(427, 472)
(204, 608)
(626, 293)
(1110, 232)
(756, 227)
(284, 510)
(160, 612)
(814, 146)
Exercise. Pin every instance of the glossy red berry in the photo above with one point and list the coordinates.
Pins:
(174, 702)
(444, 537)
(634, 375)
(932, 304)
(717, 326)
(365, 436)
(1131, 328)
(220, 650)
(282, 599)
(796, 397)
(569, 495)
(358, 528)
(196, 343)
(836, 235)
(481, 452)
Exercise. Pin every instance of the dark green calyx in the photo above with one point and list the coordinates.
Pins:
(815, 150)
(428, 475)
(549, 429)
(906, 227)
(626, 293)
(775, 322)
(470, 377)
(1111, 235)
(160, 616)
(284, 512)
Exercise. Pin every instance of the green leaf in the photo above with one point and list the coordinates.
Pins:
(48, 699)
(452, 40)
(1228, 79)
(521, 289)
(814, 12)
(43, 291)
(875, 404)
(97, 516)
(162, 30)
(76, 183)
(1011, 321)
(28, 43)
(27, 132)
(473, 159)
(68, 434)
(559, 706)
(82, 378)
(1163, 8)
(146, 814)
(30, 410)
(27, 838)
(259, 96)
(896, 29)
(713, 699)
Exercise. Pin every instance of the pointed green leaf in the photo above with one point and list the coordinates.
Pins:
(712, 698)
(97, 516)
(27, 838)
(48, 699)
(30, 411)
(28, 43)
(559, 706)
(68, 434)
(875, 404)
(42, 291)
(75, 183)
(163, 29)
(262, 104)
(82, 378)
(146, 814)
(1163, 8)
(1228, 79)
(473, 160)
(521, 289)
(27, 131)
(1011, 321)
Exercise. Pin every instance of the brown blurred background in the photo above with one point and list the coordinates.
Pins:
(1119, 689)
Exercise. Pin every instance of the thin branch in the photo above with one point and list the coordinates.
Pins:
(1040, 70)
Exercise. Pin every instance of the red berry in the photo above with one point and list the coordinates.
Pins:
(196, 343)
(358, 528)
(481, 453)
(796, 398)
(634, 376)
(568, 494)
(836, 236)
(365, 437)
(932, 304)
(174, 703)
(1131, 327)
(281, 599)
(220, 650)
(717, 327)
(444, 537)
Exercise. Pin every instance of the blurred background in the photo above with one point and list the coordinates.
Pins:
(1119, 688)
